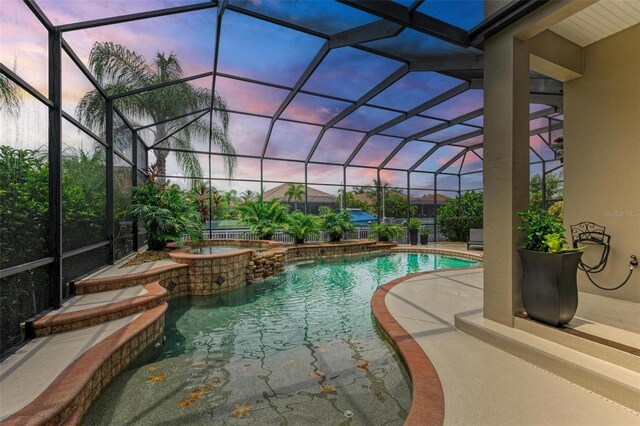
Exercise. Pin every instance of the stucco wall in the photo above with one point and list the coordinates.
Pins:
(602, 154)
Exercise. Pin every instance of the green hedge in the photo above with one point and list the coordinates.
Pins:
(458, 215)
(457, 228)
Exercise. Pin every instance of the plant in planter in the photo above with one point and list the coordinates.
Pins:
(549, 289)
(166, 213)
(264, 218)
(424, 235)
(335, 224)
(384, 233)
(413, 226)
(300, 225)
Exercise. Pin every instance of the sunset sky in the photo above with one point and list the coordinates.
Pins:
(258, 50)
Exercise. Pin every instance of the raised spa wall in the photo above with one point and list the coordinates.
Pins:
(220, 272)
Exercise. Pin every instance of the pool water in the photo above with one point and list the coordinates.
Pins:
(219, 249)
(300, 348)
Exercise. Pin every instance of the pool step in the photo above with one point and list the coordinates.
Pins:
(54, 379)
(168, 275)
(614, 345)
(90, 309)
(620, 383)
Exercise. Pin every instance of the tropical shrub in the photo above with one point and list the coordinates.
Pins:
(537, 224)
(395, 204)
(202, 198)
(166, 213)
(24, 225)
(424, 231)
(458, 215)
(299, 226)
(84, 199)
(553, 188)
(556, 210)
(264, 218)
(383, 232)
(413, 223)
(24, 210)
(335, 224)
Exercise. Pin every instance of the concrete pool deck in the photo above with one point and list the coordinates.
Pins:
(481, 384)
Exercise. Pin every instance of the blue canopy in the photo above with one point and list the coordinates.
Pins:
(358, 217)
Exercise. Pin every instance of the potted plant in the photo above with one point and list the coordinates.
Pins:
(335, 224)
(413, 226)
(299, 226)
(385, 233)
(424, 235)
(549, 289)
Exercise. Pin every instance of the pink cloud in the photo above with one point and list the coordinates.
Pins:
(375, 150)
(248, 97)
(291, 140)
(24, 43)
(337, 145)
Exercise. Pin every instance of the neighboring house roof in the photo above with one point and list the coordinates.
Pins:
(313, 195)
(363, 197)
(425, 199)
(428, 199)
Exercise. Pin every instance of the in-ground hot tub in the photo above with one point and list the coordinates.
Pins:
(216, 266)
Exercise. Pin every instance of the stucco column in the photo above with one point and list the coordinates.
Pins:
(506, 172)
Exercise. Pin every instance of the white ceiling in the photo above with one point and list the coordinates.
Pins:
(598, 21)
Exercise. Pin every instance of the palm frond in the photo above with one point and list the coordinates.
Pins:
(91, 111)
(9, 97)
(219, 139)
(167, 68)
(188, 161)
(112, 62)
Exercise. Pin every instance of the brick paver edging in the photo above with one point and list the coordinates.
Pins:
(427, 404)
(60, 323)
(66, 399)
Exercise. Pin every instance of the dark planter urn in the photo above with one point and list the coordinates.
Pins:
(413, 237)
(424, 240)
(549, 288)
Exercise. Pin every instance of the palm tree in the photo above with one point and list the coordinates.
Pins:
(348, 197)
(296, 193)
(231, 196)
(120, 70)
(247, 195)
(9, 98)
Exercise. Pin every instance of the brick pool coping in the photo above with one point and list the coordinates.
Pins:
(68, 397)
(59, 323)
(427, 404)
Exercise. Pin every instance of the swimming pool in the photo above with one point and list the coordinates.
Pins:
(298, 348)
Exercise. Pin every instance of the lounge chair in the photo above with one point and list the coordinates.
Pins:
(475, 238)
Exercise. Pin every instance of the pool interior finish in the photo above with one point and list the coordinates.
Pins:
(299, 348)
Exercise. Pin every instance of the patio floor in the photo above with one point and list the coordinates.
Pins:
(521, 394)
